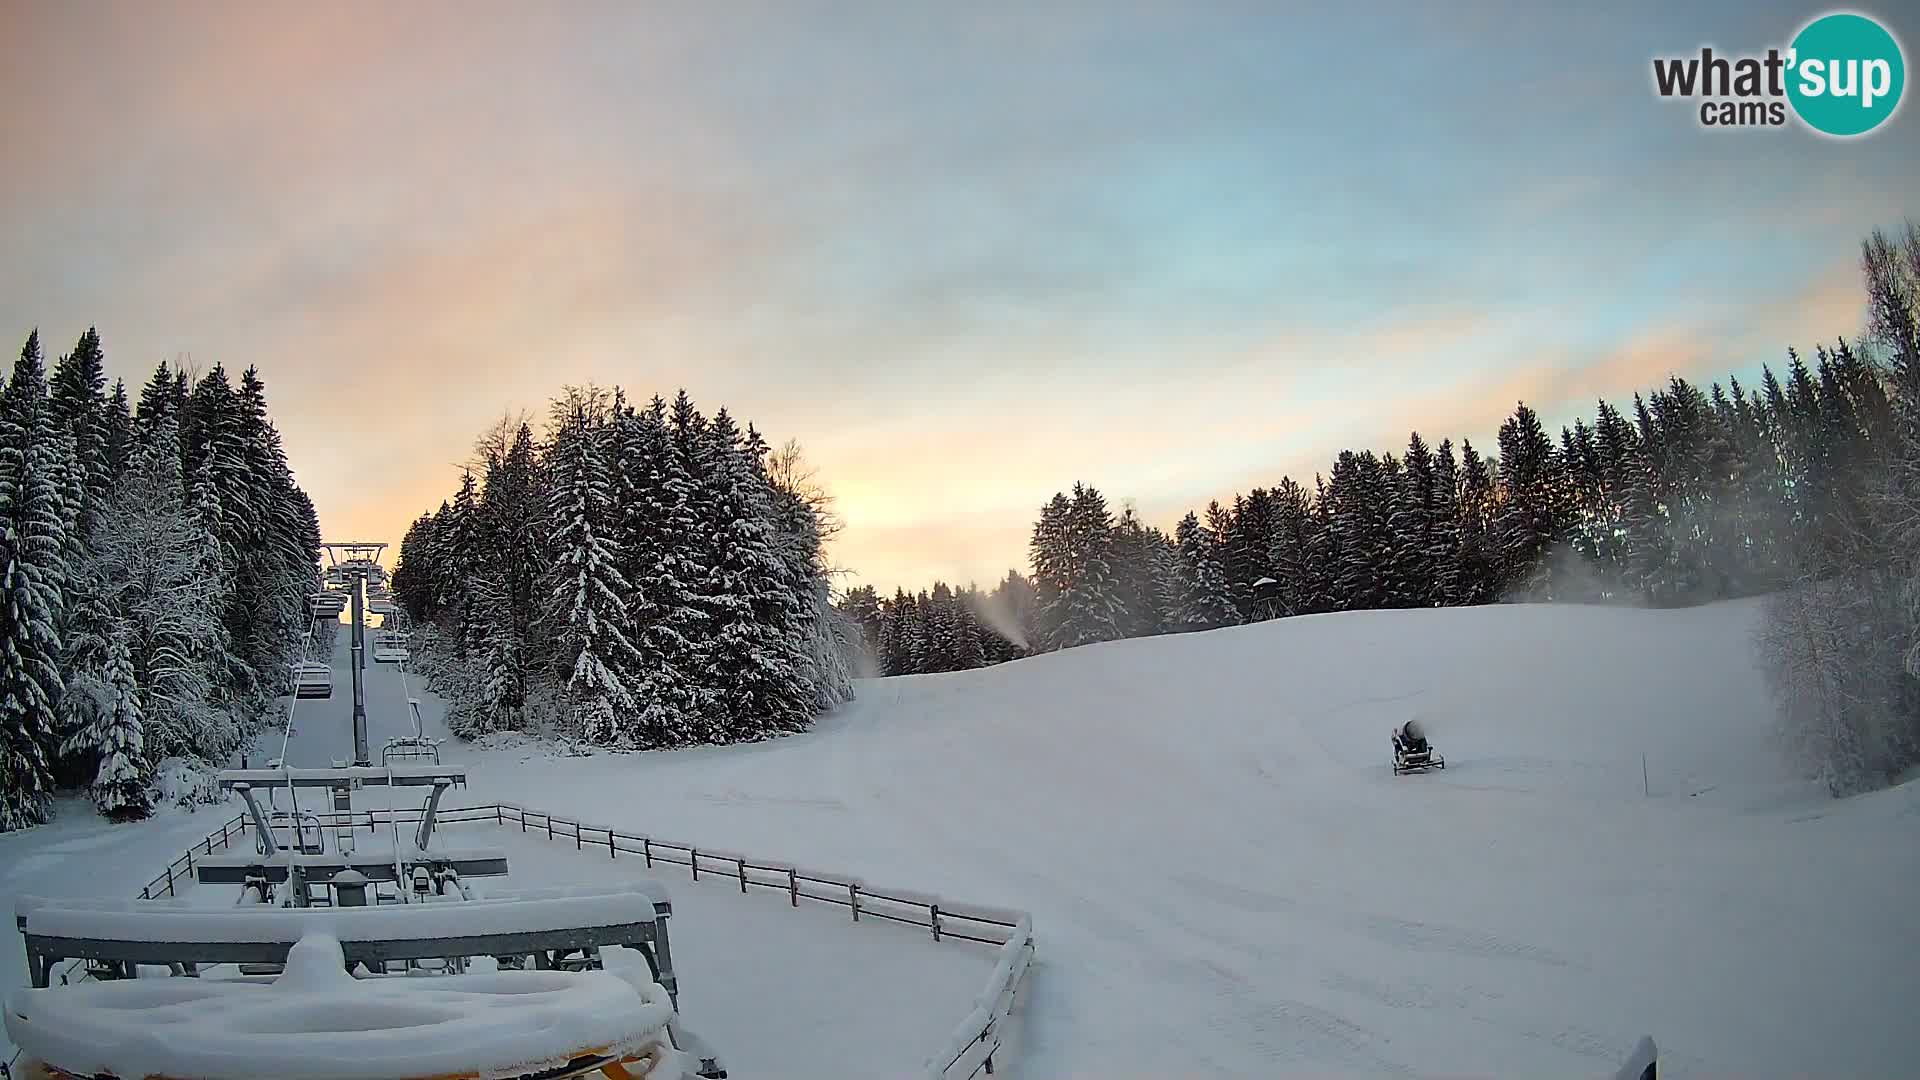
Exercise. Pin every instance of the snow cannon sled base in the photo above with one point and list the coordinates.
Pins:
(1414, 756)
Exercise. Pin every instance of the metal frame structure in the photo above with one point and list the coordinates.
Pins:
(359, 560)
(554, 929)
(191, 941)
(415, 747)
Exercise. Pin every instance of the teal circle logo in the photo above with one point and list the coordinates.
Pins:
(1847, 73)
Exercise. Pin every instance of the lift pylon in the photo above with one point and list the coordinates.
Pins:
(360, 560)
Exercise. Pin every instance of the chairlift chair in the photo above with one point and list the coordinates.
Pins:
(312, 679)
(415, 747)
(388, 650)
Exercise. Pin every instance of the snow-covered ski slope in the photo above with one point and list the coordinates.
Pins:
(1226, 879)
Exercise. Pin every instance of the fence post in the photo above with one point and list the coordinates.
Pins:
(646, 850)
(143, 892)
(743, 875)
(499, 816)
(549, 826)
(853, 899)
(933, 919)
(793, 886)
(612, 852)
(169, 879)
(576, 836)
(693, 860)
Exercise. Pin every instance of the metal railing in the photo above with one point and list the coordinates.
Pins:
(975, 1040)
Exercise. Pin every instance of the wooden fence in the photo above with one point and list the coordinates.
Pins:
(975, 1040)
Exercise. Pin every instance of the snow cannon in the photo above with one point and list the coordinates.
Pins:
(1411, 750)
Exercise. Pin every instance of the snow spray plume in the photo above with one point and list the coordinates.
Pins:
(1570, 578)
(991, 608)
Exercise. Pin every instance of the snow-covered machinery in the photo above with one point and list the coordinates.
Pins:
(311, 966)
(1411, 750)
(332, 1005)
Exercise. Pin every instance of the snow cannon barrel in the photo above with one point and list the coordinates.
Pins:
(1412, 731)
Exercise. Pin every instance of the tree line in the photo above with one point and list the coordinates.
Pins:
(1685, 496)
(1842, 640)
(158, 558)
(1805, 489)
(640, 576)
(1688, 496)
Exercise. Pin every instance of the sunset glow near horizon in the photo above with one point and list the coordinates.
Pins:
(965, 255)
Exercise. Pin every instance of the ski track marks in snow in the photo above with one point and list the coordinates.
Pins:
(1393, 932)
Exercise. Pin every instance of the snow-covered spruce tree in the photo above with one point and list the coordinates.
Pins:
(862, 605)
(413, 572)
(512, 513)
(1088, 606)
(275, 564)
(77, 398)
(673, 574)
(1133, 567)
(122, 787)
(1051, 552)
(969, 638)
(162, 397)
(1205, 600)
(213, 564)
(900, 643)
(647, 488)
(803, 519)
(1412, 526)
(837, 651)
(1169, 586)
(148, 551)
(586, 603)
(1247, 554)
(1291, 553)
(756, 669)
(91, 622)
(1443, 545)
(462, 567)
(32, 582)
(942, 629)
(118, 420)
(1479, 554)
(1358, 499)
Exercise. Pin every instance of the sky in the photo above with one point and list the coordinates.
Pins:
(965, 254)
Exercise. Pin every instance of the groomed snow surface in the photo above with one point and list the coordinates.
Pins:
(1225, 877)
